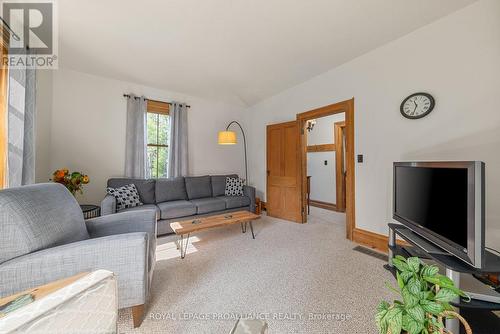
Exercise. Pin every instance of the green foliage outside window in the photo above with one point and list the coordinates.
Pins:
(158, 127)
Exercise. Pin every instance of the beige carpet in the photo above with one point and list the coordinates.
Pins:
(300, 278)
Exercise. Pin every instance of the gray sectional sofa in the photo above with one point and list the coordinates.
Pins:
(182, 198)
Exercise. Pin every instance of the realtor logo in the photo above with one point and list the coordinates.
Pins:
(33, 40)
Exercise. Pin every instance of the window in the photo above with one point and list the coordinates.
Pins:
(158, 127)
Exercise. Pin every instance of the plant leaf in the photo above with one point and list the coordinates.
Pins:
(401, 258)
(414, 286)
(413, 264)
(380, 320)
(445, 295)
(433, 280)
(426, 294)
(401, 283)
(445, 280)
(447, 307)
(400, 265)
(396, 322)
(417, 313)
(406, 275)
(431, 307)
(383, 306)
(429, 270)
(409, 299)
(412, 326)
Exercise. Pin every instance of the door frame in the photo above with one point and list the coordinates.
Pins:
(346, 107)
(338, 139)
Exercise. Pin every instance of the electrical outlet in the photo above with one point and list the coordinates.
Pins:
(360, 158)
(326, 162)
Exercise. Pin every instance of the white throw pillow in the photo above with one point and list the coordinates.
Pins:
(126, 196)
(234, 186)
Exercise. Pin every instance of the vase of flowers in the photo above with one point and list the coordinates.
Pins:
(72, 181)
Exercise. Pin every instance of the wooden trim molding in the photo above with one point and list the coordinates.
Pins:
(340, 179)
(323, 205)
(321, 148)
(346, 107)
(373, 240)
(370, 239)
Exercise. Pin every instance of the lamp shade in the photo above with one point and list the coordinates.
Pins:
(227, 138)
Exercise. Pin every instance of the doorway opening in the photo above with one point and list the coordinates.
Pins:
(315, 152)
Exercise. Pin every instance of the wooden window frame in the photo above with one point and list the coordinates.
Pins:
(159, 108)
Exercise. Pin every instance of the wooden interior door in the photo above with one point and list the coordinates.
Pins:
(284, 191)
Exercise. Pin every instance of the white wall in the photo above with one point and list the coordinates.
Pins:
(323, 183)
(43, 119)
(87, 130)
(457, 59)
(322, 133)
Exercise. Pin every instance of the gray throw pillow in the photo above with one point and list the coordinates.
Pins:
(126, 196)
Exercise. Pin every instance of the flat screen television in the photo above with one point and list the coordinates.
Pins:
(444, 203)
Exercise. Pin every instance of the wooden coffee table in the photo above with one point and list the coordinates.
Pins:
(187, 227)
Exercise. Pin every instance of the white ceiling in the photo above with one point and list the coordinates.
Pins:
(231, 49)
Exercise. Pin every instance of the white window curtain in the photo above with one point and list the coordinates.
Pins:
(178, 147)
(21, 126)
(136, 138)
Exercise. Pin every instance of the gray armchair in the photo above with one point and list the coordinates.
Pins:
(43, 238)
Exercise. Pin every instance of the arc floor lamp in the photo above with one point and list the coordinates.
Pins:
(229, 138)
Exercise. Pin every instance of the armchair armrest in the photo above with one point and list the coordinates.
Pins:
(108, 205)
(125, 254)
(124, 222)
(249, 191)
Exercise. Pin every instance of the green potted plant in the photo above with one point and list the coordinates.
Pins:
(425, 295)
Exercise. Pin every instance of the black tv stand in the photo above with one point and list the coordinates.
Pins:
(424, 249)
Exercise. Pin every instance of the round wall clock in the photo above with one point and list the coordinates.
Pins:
(417, 105)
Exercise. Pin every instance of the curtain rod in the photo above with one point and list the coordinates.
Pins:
(137, 97)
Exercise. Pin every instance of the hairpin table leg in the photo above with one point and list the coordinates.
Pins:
(182, 247)
(251, 228)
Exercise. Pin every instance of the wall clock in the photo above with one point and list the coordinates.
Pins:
(417, 105)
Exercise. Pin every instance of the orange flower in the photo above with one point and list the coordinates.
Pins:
(85, 179)
(59, 174)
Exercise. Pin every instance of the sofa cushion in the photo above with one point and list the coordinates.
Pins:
(219, 184)
(36, 217)
(171, 189)
(210, 204)
(146, 188)
(176, 209)
(198, 187)
(144, 207)
(235, 201)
